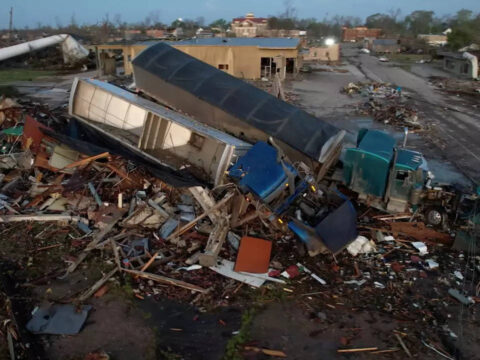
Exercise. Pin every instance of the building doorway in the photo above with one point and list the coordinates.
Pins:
(290, 65)
(268, 68)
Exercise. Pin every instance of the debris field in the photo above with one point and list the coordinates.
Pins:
(378, 259)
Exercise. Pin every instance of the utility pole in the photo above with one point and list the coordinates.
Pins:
(10, 27)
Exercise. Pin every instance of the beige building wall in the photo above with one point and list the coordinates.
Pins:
(242, 61)
(323, 53)
(244, 31)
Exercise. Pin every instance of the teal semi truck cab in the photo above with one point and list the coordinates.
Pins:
(383, 175)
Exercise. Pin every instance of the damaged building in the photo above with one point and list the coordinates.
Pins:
(359, 33)
(246, 58)
(462, 64)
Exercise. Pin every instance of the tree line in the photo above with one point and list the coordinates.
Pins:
(465, 25)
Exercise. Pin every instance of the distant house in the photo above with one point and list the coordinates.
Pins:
(203, 33)
(382, 46)
(359, 33)
(178, 32)
(156, 33)
(284, 33)
(133, 34)
(322, 53)
(462, 64)
(433, 40)
(249, 26)
(469, 48)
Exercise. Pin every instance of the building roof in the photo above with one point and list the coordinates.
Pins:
(452, 55)
(432, 36)
(259, 42)
(252, 19)
(273, 43)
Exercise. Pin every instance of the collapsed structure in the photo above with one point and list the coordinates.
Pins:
(72, 50)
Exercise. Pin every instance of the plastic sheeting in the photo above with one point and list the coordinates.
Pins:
(162, 63)
(339, 228)
(58, 319)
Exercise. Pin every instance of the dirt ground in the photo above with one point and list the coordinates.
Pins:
(302, 318)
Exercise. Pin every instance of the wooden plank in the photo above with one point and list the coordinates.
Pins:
(150, 261)
(206, 201)
(45, 248)
(385, 351)
(92, 245)
(404, 347)
(215, 242)
(421, 232)
(97, 285)
(166, 280)
(239, 207)
(113, 244)
(276, 353)
(198, 218)
(86, 160)
(46, 217)
(357, 350)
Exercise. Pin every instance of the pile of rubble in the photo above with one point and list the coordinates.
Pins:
(203, 246)
(271, 87)
(457, 86)
(386, 104)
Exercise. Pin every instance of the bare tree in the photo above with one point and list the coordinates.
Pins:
(58, 22)
(290, 11)
(153, 18)
(104, 29)
(395, 14)
(200, 21)
(73, 22)
(117, 20)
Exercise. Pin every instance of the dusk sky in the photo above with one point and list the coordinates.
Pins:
(31, 12)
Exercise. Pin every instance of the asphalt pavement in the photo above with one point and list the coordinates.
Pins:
(453, 138)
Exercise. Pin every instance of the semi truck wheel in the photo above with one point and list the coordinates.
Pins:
(435, 217)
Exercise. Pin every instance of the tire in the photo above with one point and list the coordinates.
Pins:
(435, 217)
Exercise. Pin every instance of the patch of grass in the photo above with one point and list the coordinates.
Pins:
(168, 355)
(124, 291)
(8, 91)
(232, 351)
(406, 67)
(146, 315)
(267, 294)
(12, 75)
(408, 58)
